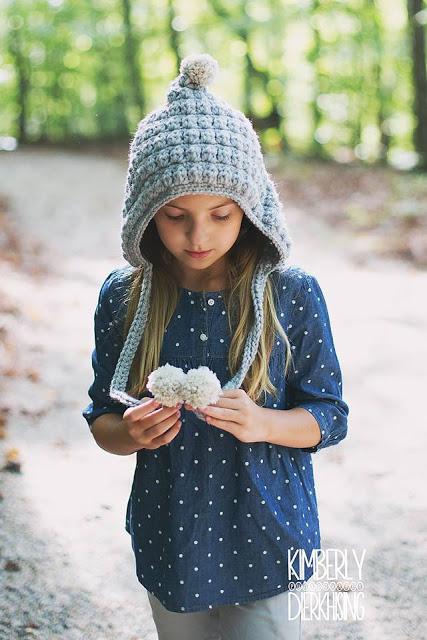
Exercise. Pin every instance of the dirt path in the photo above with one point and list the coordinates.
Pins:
(63, 516)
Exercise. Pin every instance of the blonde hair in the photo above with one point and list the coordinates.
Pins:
(243, 259)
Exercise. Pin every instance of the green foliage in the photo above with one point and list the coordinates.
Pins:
(327, 78)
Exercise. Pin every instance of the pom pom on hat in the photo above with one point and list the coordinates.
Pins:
(198, 70)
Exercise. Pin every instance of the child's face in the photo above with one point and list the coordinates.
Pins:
(199, 222)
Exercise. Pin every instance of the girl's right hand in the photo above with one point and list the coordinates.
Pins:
(150, 425)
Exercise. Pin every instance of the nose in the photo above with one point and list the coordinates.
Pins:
(196, 235)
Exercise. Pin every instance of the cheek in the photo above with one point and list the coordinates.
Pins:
(166, 234)
(234, 232)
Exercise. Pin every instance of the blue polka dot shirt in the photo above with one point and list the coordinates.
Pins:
(211, 518)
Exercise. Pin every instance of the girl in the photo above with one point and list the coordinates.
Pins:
(217, 505)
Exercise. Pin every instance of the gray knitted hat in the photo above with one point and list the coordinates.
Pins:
(197, 143)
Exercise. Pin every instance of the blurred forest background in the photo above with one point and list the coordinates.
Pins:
(335, 79)
(337, 92)
(328, 84)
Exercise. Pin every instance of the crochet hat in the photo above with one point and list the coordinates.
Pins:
(197, 143)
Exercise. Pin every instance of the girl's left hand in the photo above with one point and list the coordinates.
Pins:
(236, 413)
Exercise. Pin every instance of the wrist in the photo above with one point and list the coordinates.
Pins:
(263, 424)
(295, 427)
(129, 444)
(110, 433)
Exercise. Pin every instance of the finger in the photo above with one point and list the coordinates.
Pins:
(232, 393)
(167, 436)
(161, 414)
(157, 406)
(142, 409)
(222, 424)
(189, 407)
(221, 413)
(159, 428)
(166, 433)
(223, 401)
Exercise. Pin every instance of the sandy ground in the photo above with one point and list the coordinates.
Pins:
(62, 525)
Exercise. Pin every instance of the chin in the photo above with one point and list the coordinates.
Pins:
(196, 264)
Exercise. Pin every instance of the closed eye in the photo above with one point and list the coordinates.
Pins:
(180, 217)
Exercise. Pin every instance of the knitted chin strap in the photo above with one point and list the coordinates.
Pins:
(252, 341)
(133, 339)
(136, 332)
(197, 143)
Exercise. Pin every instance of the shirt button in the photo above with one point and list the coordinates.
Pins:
(203, 337)
(211, 301)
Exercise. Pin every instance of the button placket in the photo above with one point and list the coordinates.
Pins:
(206, 304)
(204, 334)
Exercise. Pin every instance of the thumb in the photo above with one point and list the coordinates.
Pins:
(142, 408)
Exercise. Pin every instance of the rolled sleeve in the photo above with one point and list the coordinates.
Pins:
(315, 380)
(108, 345)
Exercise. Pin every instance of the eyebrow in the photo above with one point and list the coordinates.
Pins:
(226, 204)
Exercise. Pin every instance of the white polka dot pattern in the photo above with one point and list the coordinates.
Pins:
(211, 518)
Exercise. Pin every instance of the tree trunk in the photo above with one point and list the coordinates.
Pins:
(22, 82)
(131, 60)
(419, 75)
(173, 36)
(383, 94)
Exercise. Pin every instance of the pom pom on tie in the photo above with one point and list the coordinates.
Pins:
(198, 70)
(201, 387)
(165, 383)
(171, 385)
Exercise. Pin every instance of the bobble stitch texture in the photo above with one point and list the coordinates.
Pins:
(197, 143)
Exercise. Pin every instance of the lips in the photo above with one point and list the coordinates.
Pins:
(198, 253)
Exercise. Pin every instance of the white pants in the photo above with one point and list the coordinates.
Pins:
(265, 619)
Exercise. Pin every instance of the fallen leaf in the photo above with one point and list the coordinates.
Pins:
(11, 565)
(33, 375)
(12, 460)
